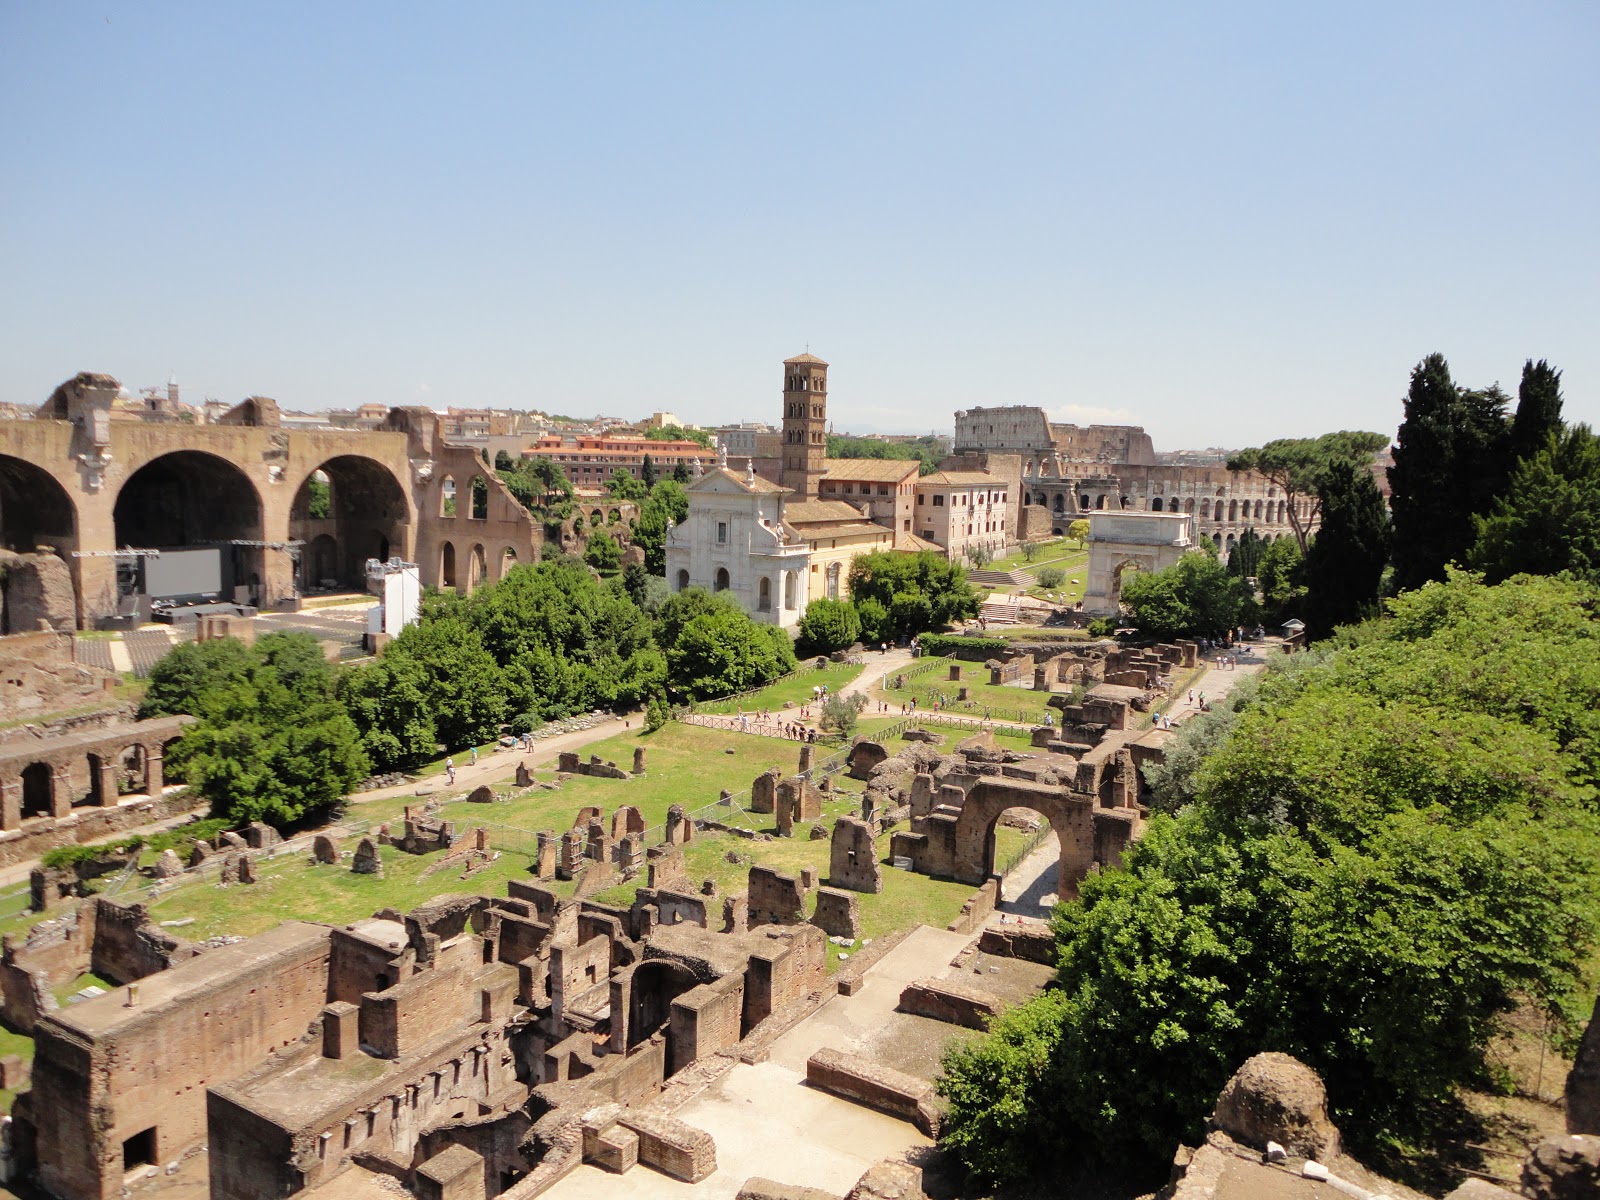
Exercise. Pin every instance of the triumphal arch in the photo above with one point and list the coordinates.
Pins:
(1120, 542)
(101, 516)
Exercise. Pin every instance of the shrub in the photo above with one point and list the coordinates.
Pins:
(1102, 627)
(977, 649)
(1050, 577)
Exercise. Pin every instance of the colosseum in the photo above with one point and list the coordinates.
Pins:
(1073, 469)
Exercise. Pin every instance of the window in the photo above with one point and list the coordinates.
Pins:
(683, 580)
(722, 533)
(764, 596)
(722, 579)
(139, 1150)
(938, 501)
(920, 499)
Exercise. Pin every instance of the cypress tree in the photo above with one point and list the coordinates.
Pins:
(1538, 409)
(1450, 463)
(1345, 563)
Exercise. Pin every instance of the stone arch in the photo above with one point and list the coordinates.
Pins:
(35, 510)
(1100, 502)
(447, 496)
(832, 577)
(508, 560)
(1258, 510)
(683, 579)
(1071, 819)
(1134, 565)
(764, 595)
(613, 516)
(479, 510)
(1083, 503)
(191, 500)
(366, 515)
(1233, 510)
(1061, 503)
(791, 588)
(1040, 498)
(447, 565)
(1155, 505)
(1188, 505)
(132, 770)
(477, 568)
(597, 516)
(722, 579)
(1216, 540)
(1205, 510)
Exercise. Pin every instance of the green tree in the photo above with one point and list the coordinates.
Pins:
(932, 591)
(1078, 531)
(602, 553)
(190, 669)
(1449, 464)
(1548, 520)
(876, 624)
(389, 701)
(1030, 551)
(464, 689)
(1296, 466)
(840, 712)
(272, 742)
(1050, 577)
(503, 462)
(826, 626)
(1281, 577)
(1345, 563)
(1195, 597)
(722, 651)
(648, 473)
(319, 497)
(1538, 414)
(1245, 558)
(668, 504)
(680, 473)
(623, 486)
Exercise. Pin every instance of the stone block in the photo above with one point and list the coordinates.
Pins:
(366, 860)
(875, 1086)
(325, 849)
(838, 913)
(950, 1001)
(482, 794)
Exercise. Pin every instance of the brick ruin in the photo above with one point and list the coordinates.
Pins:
(493, 1043)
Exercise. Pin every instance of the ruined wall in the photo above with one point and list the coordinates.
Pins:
(128, 945)
(104, 1072)
(706, 1019)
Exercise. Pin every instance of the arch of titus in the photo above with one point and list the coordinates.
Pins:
(81, 489)
(1142, 541)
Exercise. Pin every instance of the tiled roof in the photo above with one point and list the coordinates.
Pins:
(805, 358)
(799, 512)
(815, 533)
(963, 478)
(873, 470)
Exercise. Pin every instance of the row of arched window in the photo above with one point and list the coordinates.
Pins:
(1272, 512)
(478, 504)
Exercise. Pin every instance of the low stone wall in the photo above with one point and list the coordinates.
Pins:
(671, 1146)
(950, 1001)
(91, 824)
(977, 908)
(878, 1087)
(1031, 943)
(757, 1188)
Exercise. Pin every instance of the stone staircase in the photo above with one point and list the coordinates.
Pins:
(1002, 610)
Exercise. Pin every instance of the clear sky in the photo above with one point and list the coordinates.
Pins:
(1223, 222)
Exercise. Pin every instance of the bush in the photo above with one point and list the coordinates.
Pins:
(1050, 577)
(657, 713)
(524, 722)
(1102, 627)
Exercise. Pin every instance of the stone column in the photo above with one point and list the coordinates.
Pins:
(154, 779)
(10, 802)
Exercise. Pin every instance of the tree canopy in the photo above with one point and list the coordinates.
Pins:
(1345, 563)
(1390, 843)
(917, 592)
(826, 626)
(1548, 520)
(1298, 465)
(1195, 597)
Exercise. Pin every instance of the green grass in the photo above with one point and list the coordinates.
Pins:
(1055, 552)
(1017, 703)
(796, 690)
(67, 990)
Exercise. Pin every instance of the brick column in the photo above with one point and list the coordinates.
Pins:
(11, 802)
(60, 792)
(154, 780)
(109, 770)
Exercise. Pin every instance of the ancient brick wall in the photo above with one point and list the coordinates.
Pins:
(128, 945)
(706, 1019)
(775, 898)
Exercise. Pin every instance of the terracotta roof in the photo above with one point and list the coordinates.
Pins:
(805, 358)
(912, 544)
(759, 485)
(815, 533)
(963, 478)
(874, 470)
(799, 512)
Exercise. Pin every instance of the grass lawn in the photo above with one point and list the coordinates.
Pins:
(1005, 703)
(1057, 551)
(1037, 633)
(796, 690)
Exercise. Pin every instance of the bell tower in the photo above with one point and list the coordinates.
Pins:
(805, 424)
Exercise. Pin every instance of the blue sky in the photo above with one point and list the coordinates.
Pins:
(1223, 222)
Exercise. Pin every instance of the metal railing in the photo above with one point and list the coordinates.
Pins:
(1021, 853)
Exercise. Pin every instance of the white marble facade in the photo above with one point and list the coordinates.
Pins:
(735, 540)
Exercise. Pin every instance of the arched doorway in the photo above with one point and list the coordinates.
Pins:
(447, 565)
(348, 510)
(38, 788)
(833, 581)
(722, 579)
(654, 986)
(202, 513)
(683, 579)
(35, 512)
(1123, 571)
(1020, 848)
(764, 595)
(477, 569)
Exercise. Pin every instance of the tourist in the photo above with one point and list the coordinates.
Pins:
(450, 771)
(473, 761)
